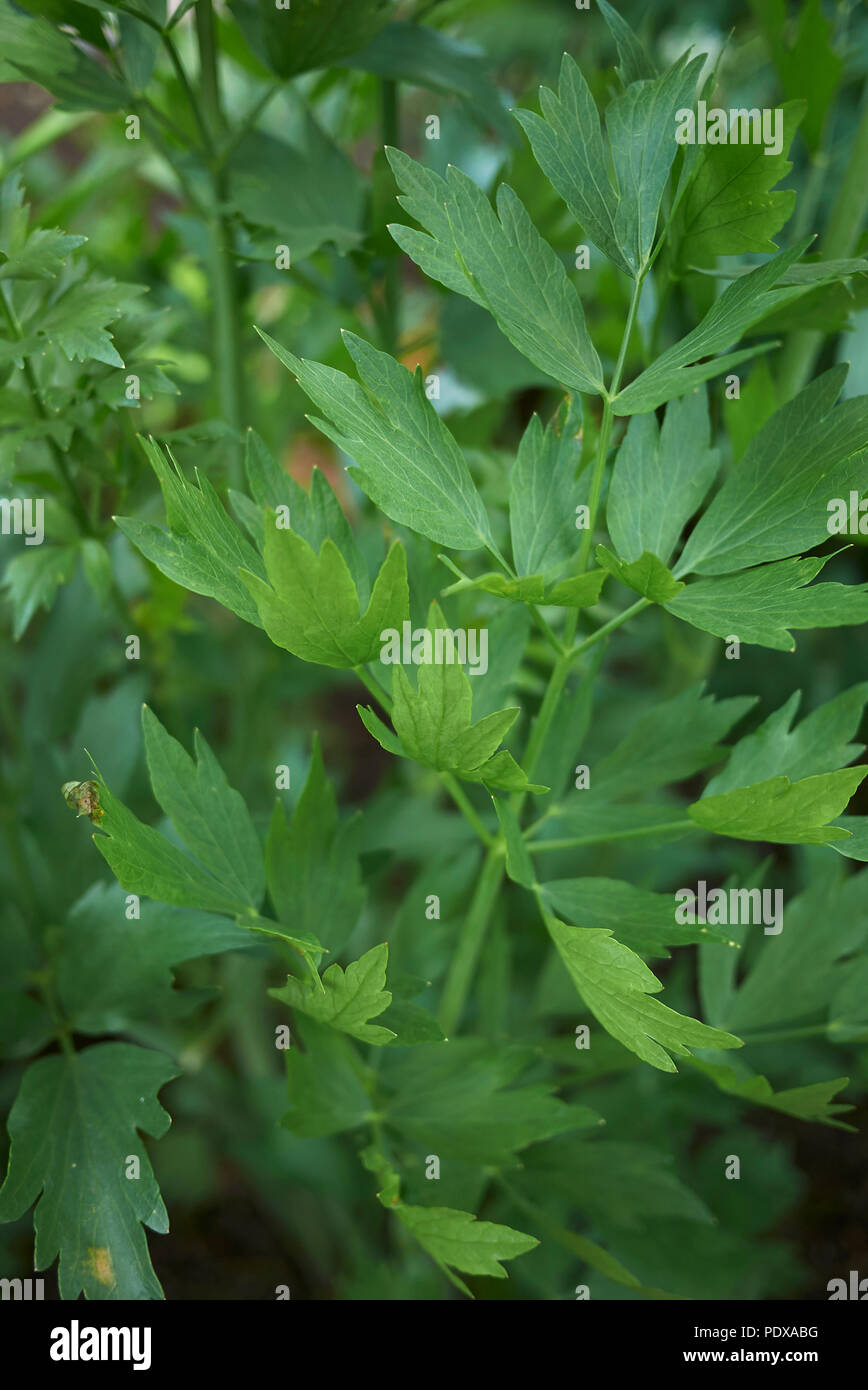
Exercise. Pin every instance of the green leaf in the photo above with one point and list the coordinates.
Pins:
(462, 1091)
(457, 1240)
(781, 811)
(635, 63)
(25, 255)
(543, 493)
(314, 879)
(406, 459)
(203, 550)
(325, 1093)
(518, 861)
(660, 478)
(429, 58)
(616, 986)
(808, 64)
(208, 815)
(641, 920)
(668, 743)
(774, 504)
(579, 591)
(819, 743)
(620, 1186)
(742, 304)
(73, 1127)
(813, 1102)
(433, 723)
(113, 971)
(310, 605)
(640, 125)
(347, 999)
(302, 195)
(728, 209)
(498, 260)
(34, 50)
(857, 846)
(647, 576)
(309, 36)
(567, 143)
(32, 579)
(761, 605)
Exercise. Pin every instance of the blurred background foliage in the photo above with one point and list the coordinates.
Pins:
(299, 161)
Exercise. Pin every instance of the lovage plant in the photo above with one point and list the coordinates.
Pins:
(581, 947)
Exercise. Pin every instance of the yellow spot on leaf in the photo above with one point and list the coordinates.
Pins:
(99, 1263)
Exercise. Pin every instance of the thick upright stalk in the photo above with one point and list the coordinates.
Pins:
(224, 272)
(840, 238)
(470, 941)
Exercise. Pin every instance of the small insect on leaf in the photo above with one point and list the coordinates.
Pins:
(83, 797)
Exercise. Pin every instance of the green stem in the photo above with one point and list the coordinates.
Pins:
(813, 1030)
(614, 623)
(839, 240)
(224, 272)
(574, 842)
(375, 688)
(465, 806)
(471, 938)
(390, 128)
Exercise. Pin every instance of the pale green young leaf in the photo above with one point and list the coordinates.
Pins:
(762, 605)
(647, 575)
(406, 459)
(73, 1125)
(347, 999)
(310, 605)
(617, 987)
(660, 478)
(729, 209)
(775, 503)
(819, 743)
(457, 1240)
(209, 816)
(203, 550)
(312, 865)
(741, 305)
(781, 811)
(500, 261)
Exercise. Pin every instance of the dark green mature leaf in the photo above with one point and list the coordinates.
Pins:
(498, 260)
(34, 50)
(819, 743)
(728, 209)
(543, 493)
(113, 970)
(461, 1094)
(310, 605)
(428, 58)
(808, 64)
(761, 605)
(203, 550)
(640, 125)
(405, 458)
(621, 1186)
(617, 987)
(305, 194)
(661, 477)
(641, 920)
(670, 742)
(781, 811)
(294, 40)
(814, 1102)
(209, 816)
(774, 503)
(325, 1093)
(32, 579)
(346, 1000)
(73, 1127)
(740, 306)
(314, 880)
